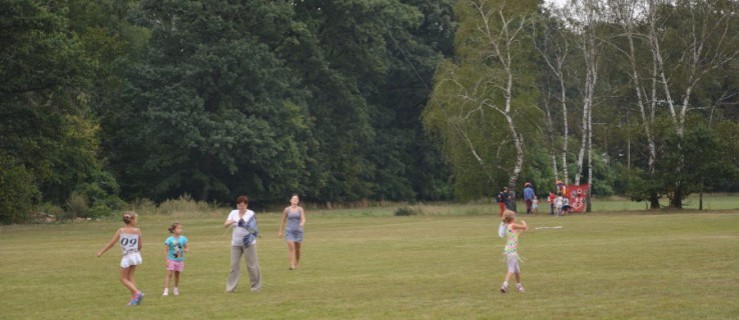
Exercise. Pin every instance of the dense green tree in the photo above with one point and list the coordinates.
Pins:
(695, 160)
(376, 61)
(48, 137)
(215, 111)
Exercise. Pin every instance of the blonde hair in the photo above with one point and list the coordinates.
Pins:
(508, 216)
(129, 216)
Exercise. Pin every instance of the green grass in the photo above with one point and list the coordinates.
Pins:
(368, 264)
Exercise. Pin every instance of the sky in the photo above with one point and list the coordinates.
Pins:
(559, 3)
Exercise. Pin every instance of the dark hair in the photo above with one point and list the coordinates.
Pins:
(129, 216)
(243, 198)
(173, 226)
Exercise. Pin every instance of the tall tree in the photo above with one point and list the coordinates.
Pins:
(370, 62)
(694, 160)
(49, 141)
(482, 98)
(213, 101)
(687, 42)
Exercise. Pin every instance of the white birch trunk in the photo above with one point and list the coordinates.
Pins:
(501, 42)
(557, 69)
(626, 17)
(591, 51)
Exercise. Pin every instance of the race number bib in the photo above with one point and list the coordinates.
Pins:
(129, 242)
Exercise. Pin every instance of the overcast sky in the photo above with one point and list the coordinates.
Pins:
(558, 2)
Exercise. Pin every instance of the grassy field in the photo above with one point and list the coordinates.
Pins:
(368, 264)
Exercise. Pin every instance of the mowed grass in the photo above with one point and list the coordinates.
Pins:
(368, 264)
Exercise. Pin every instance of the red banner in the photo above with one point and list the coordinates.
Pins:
(578, 197)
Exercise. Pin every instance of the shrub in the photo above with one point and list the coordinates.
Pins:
(406, 211)
(18, 193)
(99, 211)
(48, 212)
(77, 206)
(183, 205)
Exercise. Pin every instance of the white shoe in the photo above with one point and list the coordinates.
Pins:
(166, 292)
(176, 291)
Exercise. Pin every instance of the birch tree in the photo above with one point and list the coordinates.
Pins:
(488, 92)
(686, 41)
(628, 14)
(554, 50)
(586, 16)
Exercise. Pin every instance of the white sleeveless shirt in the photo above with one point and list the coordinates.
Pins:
(129, 242)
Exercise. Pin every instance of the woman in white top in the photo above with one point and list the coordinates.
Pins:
(238, 220)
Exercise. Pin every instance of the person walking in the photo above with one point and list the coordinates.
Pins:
(528, 196)
(129, 237)
(294, 216)
(243, 243)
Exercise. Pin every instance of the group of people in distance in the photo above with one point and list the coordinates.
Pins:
(559, 204)
(243, 243)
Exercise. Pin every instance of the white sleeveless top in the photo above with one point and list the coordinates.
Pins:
(129, 242)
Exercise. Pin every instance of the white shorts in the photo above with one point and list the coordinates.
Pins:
(131, 259)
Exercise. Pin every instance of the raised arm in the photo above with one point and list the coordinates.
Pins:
(520, 226)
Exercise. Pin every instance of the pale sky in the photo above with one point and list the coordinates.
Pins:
(559, 3)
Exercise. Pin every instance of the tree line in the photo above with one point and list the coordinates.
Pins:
(106, 102)
(634, 97)
(110, 101)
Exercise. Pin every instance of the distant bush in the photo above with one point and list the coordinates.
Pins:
(48, 212)
(182, 205)
(100, 211)
(406, 211)
(18, 193)
(77, 206)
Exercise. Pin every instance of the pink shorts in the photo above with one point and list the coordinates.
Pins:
(175, 265)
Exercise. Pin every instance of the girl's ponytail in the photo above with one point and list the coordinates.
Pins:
(173, 226)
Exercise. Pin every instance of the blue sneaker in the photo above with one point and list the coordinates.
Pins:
(139, 297)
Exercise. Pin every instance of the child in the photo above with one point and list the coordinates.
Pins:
(565, 205)
(175, 248)
(511, 249)
(535, 205)
(558, 203)
(129, 238)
